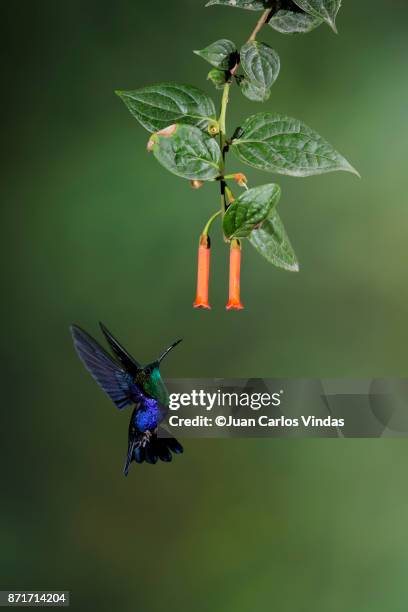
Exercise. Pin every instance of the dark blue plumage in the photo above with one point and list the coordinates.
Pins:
(126, 382)
(149, 416)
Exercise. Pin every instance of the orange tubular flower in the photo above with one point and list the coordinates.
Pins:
(234, 300)
(203, 273)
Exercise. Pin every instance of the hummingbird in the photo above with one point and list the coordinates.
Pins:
(127, 382)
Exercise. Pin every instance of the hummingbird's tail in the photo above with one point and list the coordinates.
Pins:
(152, 448)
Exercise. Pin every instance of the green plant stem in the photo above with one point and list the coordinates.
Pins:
(223, 138)
(209, 222)
(263, 19)
(224, 104)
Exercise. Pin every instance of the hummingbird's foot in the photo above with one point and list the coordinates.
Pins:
(146, 438)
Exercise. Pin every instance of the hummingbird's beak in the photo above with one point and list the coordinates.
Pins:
(168, 350)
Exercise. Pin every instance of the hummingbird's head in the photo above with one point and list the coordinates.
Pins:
(153, 380)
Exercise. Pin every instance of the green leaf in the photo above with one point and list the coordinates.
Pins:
(276, 143)
(217, 77)
(250, 5)
(272, 242)
(249, 210)
(221, 54)
(252, 92)
(291, 22)
(261, 66)
(187, 152)
(325, 9)
(158, 106)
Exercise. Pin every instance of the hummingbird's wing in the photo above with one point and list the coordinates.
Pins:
(115, 381)
(129, 363)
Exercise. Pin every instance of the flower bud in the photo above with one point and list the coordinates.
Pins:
(213, 129)
(196, 184)
(240, 179)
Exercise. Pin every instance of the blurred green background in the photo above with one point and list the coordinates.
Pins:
(93, 229)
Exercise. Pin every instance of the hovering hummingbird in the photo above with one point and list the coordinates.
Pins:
(127, 382)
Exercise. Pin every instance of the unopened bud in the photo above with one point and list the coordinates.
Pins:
(241, 179)
(196, 184)
(213, 129)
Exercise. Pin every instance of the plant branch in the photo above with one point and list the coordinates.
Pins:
(224, 104)
(223, 138)
(263, 19)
